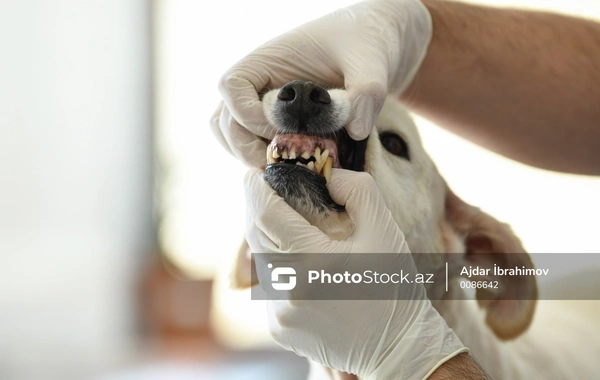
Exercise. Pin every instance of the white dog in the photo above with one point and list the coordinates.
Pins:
(511, 339)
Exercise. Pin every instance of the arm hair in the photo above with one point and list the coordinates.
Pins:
(521, 83)
(462, 366)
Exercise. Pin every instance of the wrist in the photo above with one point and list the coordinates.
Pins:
(425, 345)
(415, 29)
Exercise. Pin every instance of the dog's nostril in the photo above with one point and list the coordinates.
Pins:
(287, 93)
(319, 95)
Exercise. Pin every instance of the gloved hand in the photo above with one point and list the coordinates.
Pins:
(400, 338)
(371, 49)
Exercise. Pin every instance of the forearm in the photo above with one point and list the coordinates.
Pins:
(523, 84)
(462, 366)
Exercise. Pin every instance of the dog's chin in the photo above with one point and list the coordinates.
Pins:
(306, 192)
(301, 188)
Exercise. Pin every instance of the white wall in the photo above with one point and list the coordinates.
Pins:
(75, 181)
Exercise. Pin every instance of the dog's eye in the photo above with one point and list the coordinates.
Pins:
(394, 144)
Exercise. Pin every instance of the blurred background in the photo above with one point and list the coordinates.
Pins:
(120, 214)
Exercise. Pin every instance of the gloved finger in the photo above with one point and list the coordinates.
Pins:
(365, 205)
(279, 311)
(239, 141)
(239, 88)
(285, 316)
(257, 240)
(215, 126)
(347, 187)
(287, 229)
(367, 98)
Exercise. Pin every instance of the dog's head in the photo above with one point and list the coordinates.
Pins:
(312, 139)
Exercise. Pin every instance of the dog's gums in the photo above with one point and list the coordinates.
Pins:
(314, 153)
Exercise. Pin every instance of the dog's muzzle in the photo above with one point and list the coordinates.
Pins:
(311, 140)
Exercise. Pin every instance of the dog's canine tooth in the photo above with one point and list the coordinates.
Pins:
(319, 164)
(293, 154)
(270, 159)
(311, 165)
(325, 155)
(317, 154)
(327, 169)
(275, 154)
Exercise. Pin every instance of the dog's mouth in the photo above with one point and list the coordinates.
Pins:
(318, 154)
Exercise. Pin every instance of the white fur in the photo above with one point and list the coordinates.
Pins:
(341, 105)
(269, 100)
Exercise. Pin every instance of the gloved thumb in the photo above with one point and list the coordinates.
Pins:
(365, 205)
(366, 98)
(273, 225)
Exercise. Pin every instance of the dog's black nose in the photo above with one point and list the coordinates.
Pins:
(303, 100)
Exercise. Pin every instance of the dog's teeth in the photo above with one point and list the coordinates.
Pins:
(311, 165)
(293, 154)
(324, 155)
(327, 169)
(318, 154)
(275, 154)
(299, 163)
(284, 155)
(306, 155)
(319, 164)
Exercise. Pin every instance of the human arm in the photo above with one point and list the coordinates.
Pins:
(462, 366)
(524, 84)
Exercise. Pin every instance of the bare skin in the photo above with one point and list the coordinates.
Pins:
(523, 84)
(462, 366)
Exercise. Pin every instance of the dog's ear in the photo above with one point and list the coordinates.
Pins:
(488, 242)
(241, 274)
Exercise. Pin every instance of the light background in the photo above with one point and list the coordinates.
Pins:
(75, 183)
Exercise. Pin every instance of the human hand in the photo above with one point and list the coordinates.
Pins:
(371, 49)
(402, 336)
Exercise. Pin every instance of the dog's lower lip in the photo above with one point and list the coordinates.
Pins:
(279, 174)
(295, 167)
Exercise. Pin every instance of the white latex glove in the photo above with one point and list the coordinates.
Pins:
(371, 49)
(400, 338)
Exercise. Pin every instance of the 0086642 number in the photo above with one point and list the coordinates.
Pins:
(479, 284)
